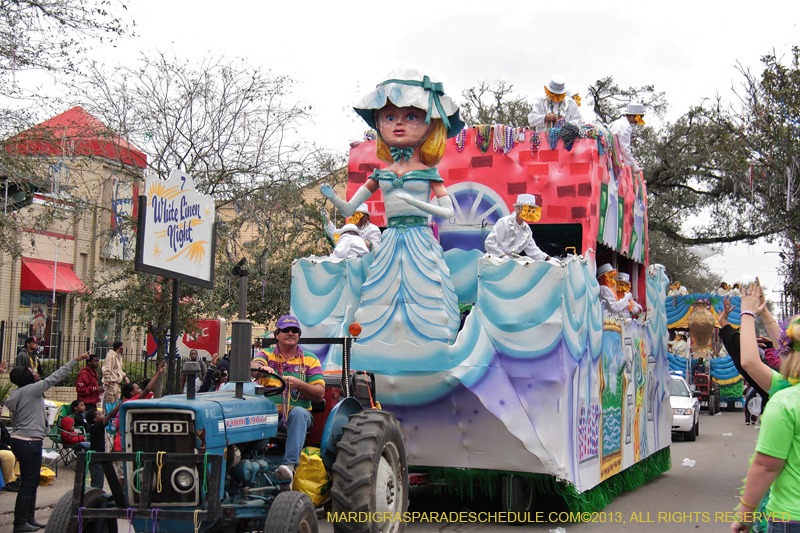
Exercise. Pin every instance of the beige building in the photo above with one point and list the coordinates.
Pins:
(85, 182)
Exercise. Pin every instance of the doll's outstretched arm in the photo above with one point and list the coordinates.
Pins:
(444, 210)
(347, 208)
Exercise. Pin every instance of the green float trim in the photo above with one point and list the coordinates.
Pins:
(463, 482)
(734, 390)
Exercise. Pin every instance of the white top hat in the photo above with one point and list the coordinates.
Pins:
(348, 227)
(624, 276)
(557, 85)
(605, 268)
(363, 208)
(526, 199)
(634, 108)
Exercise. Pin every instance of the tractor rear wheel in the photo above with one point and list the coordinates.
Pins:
(370, 474)
(291, 512)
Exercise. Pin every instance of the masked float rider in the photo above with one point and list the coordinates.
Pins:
(623, 291)
(367, 230)
(622, 128)
(607, 278)
(554, 105)
(350, 244)
(512, 236)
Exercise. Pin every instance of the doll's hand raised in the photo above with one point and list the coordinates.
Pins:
(326, 190)
(403, 196)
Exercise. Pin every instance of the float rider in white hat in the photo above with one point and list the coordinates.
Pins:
(622, 128)
(350, 245)
(554, 105)
(360, 217)
(512, 236)
(607, 279)
(623, 293)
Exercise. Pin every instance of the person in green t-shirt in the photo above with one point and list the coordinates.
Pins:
(776, 464)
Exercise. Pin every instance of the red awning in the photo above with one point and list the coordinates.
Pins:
(39, 277)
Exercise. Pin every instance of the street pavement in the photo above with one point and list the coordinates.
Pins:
(681, 500)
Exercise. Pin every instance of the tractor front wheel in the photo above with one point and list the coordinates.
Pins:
(291, 512)
(62, 521)
(370, 474)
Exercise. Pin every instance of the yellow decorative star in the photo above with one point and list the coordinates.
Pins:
(208, 210)
(156, 251)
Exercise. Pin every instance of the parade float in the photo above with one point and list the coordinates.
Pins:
(683, 312)
(507, 376)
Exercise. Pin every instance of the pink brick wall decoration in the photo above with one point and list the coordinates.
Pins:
(579, 168)
(458, 174)
(482, 161)
(557, 211)
(357, 177)
(518, 188)
(579, 212)
(538, 169)
(548, 156)
(567, 191)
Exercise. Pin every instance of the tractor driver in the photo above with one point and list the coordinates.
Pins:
(304, 384)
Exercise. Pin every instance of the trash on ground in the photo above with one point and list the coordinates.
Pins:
(727, 434)
(688, 462)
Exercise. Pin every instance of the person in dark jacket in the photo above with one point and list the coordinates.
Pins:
(29, 418)
(27, 355)
(208, 380)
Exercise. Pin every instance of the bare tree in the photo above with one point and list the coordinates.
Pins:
(232, 127)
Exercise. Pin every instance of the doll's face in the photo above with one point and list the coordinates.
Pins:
(402, 127)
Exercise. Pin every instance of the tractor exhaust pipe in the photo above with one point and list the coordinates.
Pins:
(241, 335)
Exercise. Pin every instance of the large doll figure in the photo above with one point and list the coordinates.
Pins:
(408, 295)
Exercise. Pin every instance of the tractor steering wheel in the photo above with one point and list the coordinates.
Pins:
(271, 391)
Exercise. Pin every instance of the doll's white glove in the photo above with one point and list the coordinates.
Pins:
(444, 209)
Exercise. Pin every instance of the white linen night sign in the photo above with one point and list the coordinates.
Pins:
(178, 231)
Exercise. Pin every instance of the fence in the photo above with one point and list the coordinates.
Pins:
(56, 349)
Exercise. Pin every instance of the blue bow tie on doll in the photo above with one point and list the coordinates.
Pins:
(404, 153)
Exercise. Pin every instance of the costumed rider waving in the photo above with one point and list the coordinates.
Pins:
(350, 244)
(360, 217)
(554, 105)
(622, 128)
(623, 292)
(607, 278)
(512, 237)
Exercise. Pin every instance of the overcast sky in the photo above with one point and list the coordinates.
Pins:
(338, 51)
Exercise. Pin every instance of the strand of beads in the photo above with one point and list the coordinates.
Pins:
(535, 140)
(497, 138)
(483, 137)
(509, 139)
(461, 139)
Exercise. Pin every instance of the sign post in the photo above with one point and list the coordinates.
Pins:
(176, 239)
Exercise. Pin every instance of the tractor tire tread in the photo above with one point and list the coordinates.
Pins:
(61, 519)
(288, 511)
(364, 438)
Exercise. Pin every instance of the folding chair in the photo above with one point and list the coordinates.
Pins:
(66, 454)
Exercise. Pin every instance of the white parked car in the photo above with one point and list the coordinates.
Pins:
(685, 409)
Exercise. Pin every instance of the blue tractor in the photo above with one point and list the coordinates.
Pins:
(206, 462)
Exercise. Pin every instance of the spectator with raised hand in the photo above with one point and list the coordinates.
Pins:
(28, 416)
(753, 304)
(776, 464)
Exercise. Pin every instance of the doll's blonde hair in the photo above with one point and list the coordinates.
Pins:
(430, 152)
(790, 366)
